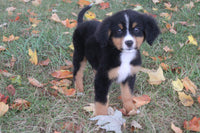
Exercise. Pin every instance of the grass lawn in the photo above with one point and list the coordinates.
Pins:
(49, 113)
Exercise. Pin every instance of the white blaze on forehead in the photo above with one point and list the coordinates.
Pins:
(128, 36)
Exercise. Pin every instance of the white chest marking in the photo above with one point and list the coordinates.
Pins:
(125, 67)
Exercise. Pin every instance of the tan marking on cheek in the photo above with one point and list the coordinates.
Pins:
(134, 24)
(113, 73)
(101, 109)
(135, 69)
(139, 41)
(127, 98)
(120, 26)
(109, 32)
(79, 76)
(118, 42)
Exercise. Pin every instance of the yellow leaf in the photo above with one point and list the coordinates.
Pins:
(186, 100)
(10, 38)
(90, 15)
(155, 77)
(33, 55)
(166, 15)
(3, 108)
(189, 85)
(192, 40)
(71, 46)
(177, 85)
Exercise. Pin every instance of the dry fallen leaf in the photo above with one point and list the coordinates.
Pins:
(145, 53)
(90, 107)
(69, 23)
(60, 74)
(82, 3)
(166, 15)
(63, 82)
(198, 99)
(186, 100)
(3, 98)
(141, 100)
(110, 122)
(72, 127)
(11, 90)
(167, 49)
(10, 9)
(10, 38)
(90, 15)
(177, 85)
(65, 91)
(156, 1)
(135, 125)
(155, 77)
(2, 48)
(189, 85)
(36, 2)
(55, 18)
(104, 5)
(192, 40)
(20, 104)
(168, 7)
(190, 5)
(35, 82)
(175, 129)
(33, 55)
(45, 62)
(34, 21)
(192, 125)
(3, 108)
(164, 66)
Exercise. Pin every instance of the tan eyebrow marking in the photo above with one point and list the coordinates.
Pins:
(120, 26)
(134, 24)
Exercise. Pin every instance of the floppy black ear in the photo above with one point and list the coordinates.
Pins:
(151, 29)
(103, 32)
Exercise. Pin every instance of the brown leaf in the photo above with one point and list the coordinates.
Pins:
(45, 62)
(35, 82)
(34, 21)
(82, 3)
(164, 66)
(64, 90)
(175, 129)
(69, 23)
(104, 5)
(63, 82)
(141, 100)
(60, 74)
(192, 125)
(11, 90)
(72, 127)
(3, 98)
(10, 38)
(186, 100)
(198, 99)
(189, 85)
(20, 104)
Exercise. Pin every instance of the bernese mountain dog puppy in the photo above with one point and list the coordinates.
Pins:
(112, 48)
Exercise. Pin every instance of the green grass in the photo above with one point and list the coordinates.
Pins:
(48, 113)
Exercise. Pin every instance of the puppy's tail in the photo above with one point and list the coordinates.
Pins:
(82, 12)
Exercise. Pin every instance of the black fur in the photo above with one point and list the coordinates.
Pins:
(93, 40)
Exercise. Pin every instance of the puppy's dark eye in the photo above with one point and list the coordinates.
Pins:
(136, 30)
(119, 31)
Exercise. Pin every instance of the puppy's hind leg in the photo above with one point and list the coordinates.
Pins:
(79, 63)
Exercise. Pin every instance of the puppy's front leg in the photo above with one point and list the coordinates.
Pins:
(102, 84)
(126, 92)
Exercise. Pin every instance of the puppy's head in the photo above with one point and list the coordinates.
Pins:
(127, 30)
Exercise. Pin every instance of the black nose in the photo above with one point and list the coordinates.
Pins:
(129, 43)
